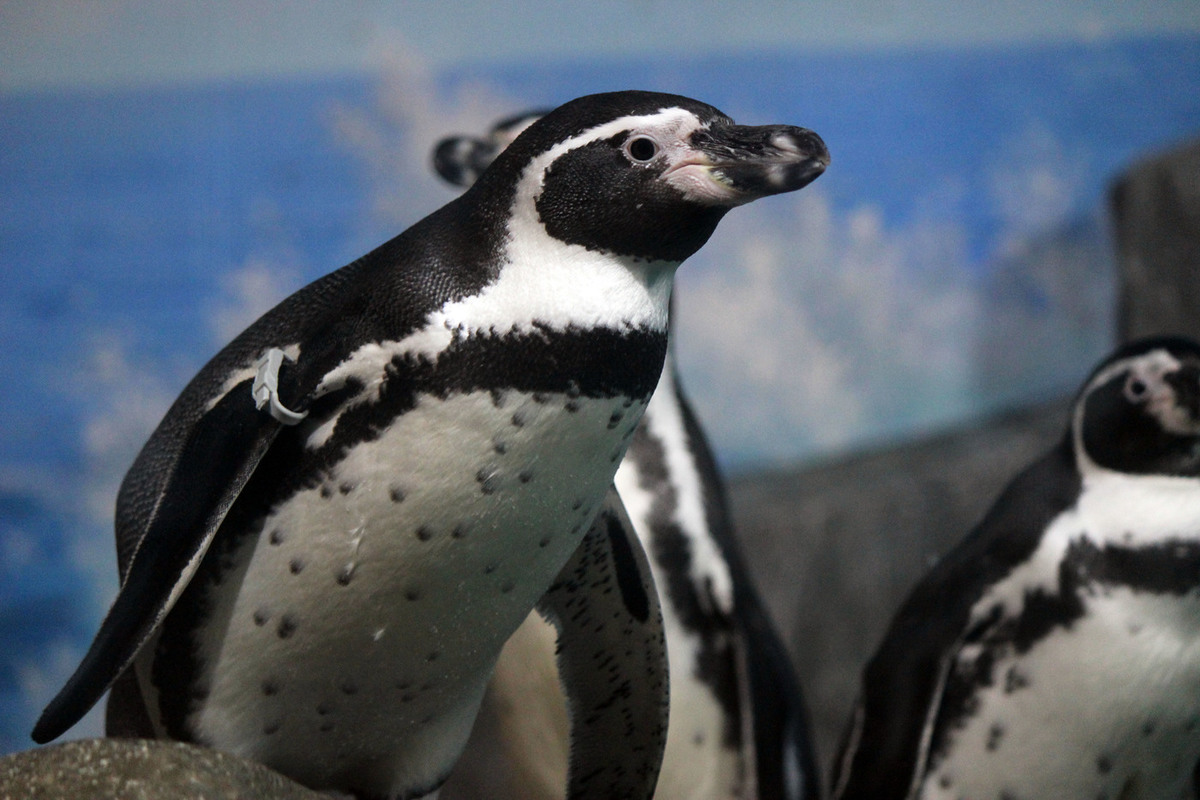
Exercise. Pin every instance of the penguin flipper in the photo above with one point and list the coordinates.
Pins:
(612, 660)
(216, 458)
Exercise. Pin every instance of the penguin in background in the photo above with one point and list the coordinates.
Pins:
(1055, 652)
(739, 726)
(328, 539)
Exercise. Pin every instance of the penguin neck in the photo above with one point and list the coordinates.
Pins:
(537, 282)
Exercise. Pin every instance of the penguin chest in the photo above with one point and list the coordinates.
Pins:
(1092, 689)
(362, 621)
(1105, 706)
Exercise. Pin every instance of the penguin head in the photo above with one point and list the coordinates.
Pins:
(1139, 413)
(642, 174)
(460, 160)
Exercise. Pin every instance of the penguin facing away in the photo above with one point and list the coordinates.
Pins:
(336, 526)
(739, 727)
(1055, 652)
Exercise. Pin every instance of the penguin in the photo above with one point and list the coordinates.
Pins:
(1055, 651)
(336, 526)
(460, 160)
(739, 726)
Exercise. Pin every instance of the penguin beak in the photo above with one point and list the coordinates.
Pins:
(733, 164)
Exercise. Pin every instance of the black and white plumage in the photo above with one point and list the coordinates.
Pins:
(738, 723)
(329, 537)
(1056, 651)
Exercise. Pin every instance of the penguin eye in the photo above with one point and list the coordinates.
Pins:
(641, 148)
(1136, 389)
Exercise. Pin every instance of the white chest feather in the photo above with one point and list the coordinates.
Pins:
(1107, 704)
(370, 609)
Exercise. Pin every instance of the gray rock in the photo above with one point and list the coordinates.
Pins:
(134, 769)
(1156, 213)
(836, 546)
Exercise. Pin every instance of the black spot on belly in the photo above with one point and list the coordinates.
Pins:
(349, 688)
(497, 398)
(572, 406)
(287, 626)
(324, 709)
(1104, 764)
(506, 587)
(945, 782)
(1148, 728)
(424, 533)
(270, 728)
(500, 447)
(1014, 679)
(276, 537)
(296, 566)
(488, 478)
(261, 616)
(544, 541)
(397, 494)
(520, 417)
(412, 594)
(326, 726)
(577, 504)
(346, 575)
(540, 398)
(346, 488)
(326, 492)
(433, 656)
(525, 476)
(995, 736)
(615, 419)
(270, 687)
(460, 531)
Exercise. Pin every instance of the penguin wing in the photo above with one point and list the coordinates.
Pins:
(215, 458)
(907, 698)
(612, 660)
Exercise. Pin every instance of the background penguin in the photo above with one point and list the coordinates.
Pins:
(738, 724)
(346, 513)
(1056, 651)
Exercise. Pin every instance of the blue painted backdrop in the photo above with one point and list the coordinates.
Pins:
(953, 260)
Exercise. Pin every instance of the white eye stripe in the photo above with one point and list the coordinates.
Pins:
(679, 122)
(1148, 367)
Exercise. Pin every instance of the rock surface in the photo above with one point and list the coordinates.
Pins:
(133, 769)
(1156, 214)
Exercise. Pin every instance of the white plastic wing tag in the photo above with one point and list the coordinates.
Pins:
(266, 387)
